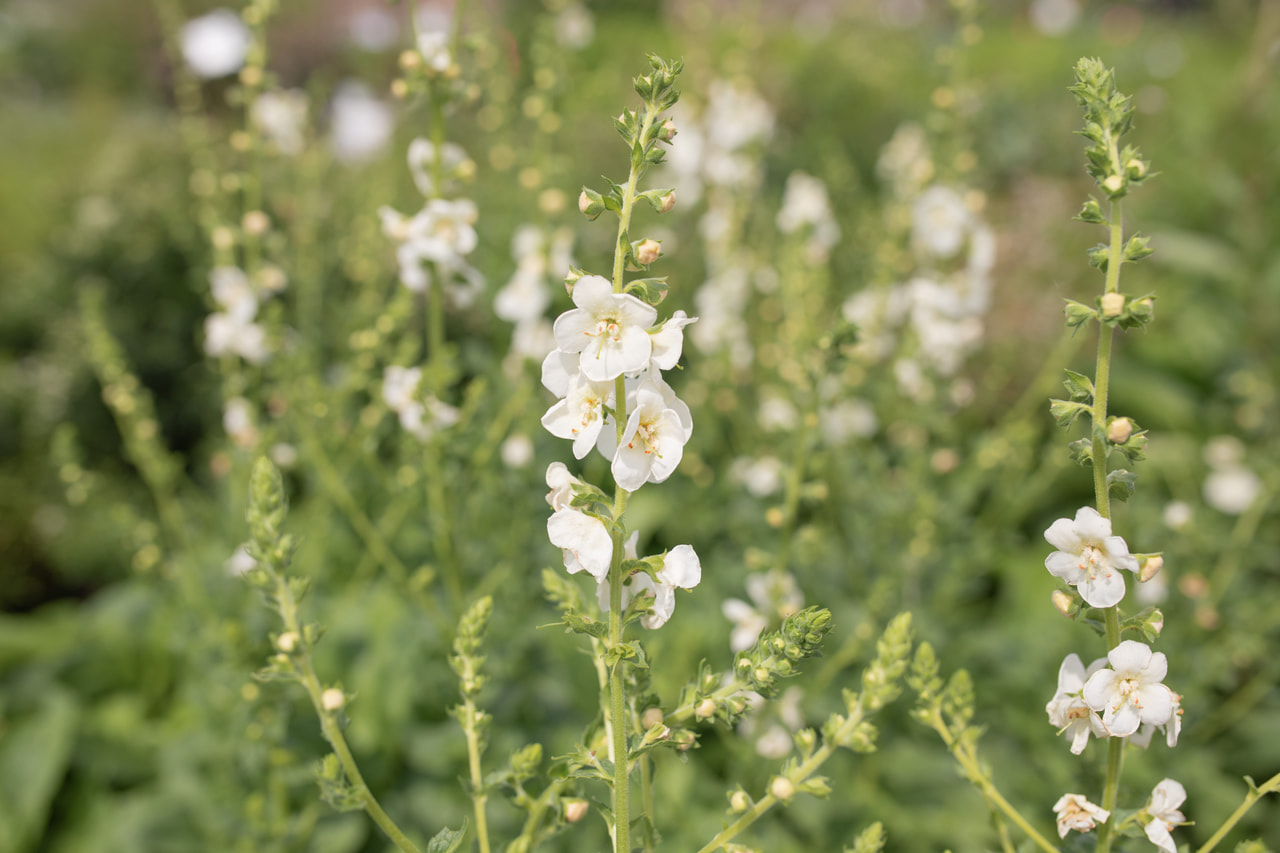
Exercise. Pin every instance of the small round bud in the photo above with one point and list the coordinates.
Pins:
(1135, 168)
(1112, 304)
(287, 642)
(782, 788)
(410, 59)
(240, 141)
(1151, 567)
(668, 131)
(1156, 621)
(575, 810)
(667, 202)
(1062, 602)
(251, 75)
(1119, 430)
(223, 238)
(256, 222)
(399, 89)
(739, 801)
(332, 699)
(651, 717)
(1113, 183)
(647, 252)
(705, 709)
(584, 202)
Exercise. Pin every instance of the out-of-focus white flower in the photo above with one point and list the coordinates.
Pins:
(607, 328)
(904, 161)
(517, 451)
(232, 331)
(1177, 515)
(1068, 711)
(575, 28)
(777, 414)
(805, 204)
(772, 593)
(1054, 17)
(775, 744)
(361, 124)
(847, 419)
(736, 115)
(1131, 692)
(237, 420)
(373, 28)
(281, 115)
(435, 27)
(422, 163)
(216, 44)
(940, 222)
(1089, 557)
(1076, 812)
(761, 477)
(1223, 451)
(585, 541)
(419, 416)
(240, 562)
(1166, 799)
(1231, 489)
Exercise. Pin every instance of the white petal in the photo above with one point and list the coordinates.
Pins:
(1090, 526)
(1062, 535)
(573, 330)
(584, 537)
(557, 369)
(1131, 656)
(1098, 689)
(681, 567)
(1104, 589)
(1066, 566)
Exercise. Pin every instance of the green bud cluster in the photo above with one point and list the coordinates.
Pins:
(1108, 116)
(466, 659)
(773, 655)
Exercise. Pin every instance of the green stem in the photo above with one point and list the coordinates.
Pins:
(618, 705)
(478, 796)
(791, 501)
(441, 533)
(1270, 786)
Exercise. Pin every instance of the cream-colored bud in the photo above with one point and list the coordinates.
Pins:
(1136, 168)
(251, 75)
(647, 252)
(1157, 622)
(223, 238)
(1119, 430)
(575, 810)
(1112, 304)
(782, 788)
(399, 89)
(410, 59)
(652, 717)
(332, 699)
(1151, 567)
(256, 222)
(288, 641)
(584, 202)
(1062, 602)
(705, 709)
(739, 801)
(1113, 183)
(668, 130)
(667, 202)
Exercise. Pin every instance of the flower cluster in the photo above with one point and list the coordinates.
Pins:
(231, 330)
(420, 415)
(1116, 697)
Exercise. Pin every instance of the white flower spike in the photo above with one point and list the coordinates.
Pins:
(1089, 557)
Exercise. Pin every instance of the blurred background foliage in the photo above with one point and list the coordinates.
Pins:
(128, 717)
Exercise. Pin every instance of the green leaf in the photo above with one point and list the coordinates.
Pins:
(34, 754)
(1065, 412)
(1079, 386)
(1121, 484)
(448, 840)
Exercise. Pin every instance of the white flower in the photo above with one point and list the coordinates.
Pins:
(216, 44)
(574, 27)
(1163, 808)
(580, 416)
(1171, 727)
(652, 441)
(360, 125)
(240, 562)
(517, 451)
(434, 26)
(1068, 710)
(237, 420)
(400, 386)
(400, 391)
(805, 204)
(422, 158)
(1177, 515)
(608, 328)
(849, 418)
(668, 341)
(1131, 693)
(1089, 557)
(761, 477)
(680, 569)
(1076, 812)
(585, 541)
(561, 483)
(940, 222)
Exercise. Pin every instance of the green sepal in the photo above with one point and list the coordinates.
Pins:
(1078, 313)
(655, 197)
(1091, 213)
(334, 788)
(448, 840)
(1135, 449)
(1121, 484)
(1081, 451)
(1137, 249)
(596, 204)
(580, 623)
(1065, 412)
(1099, 256)
(1079, 386)
(650, 290)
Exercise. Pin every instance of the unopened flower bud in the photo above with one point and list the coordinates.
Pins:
(287, 642)
(705, 709)
(1135, 168)
(410, 59)
(1113, 183)
(647, 252)
(806, 739)
(1119, 430)
(223, 238)
(1112, 304)
(782, 788)
(590, 203)
(1062, 602)
(651, 717)
(575, 810)
(1156, 621)
(1151, 567)
(739, 801)
(667, 202)
(332, 699)
(668, 131)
